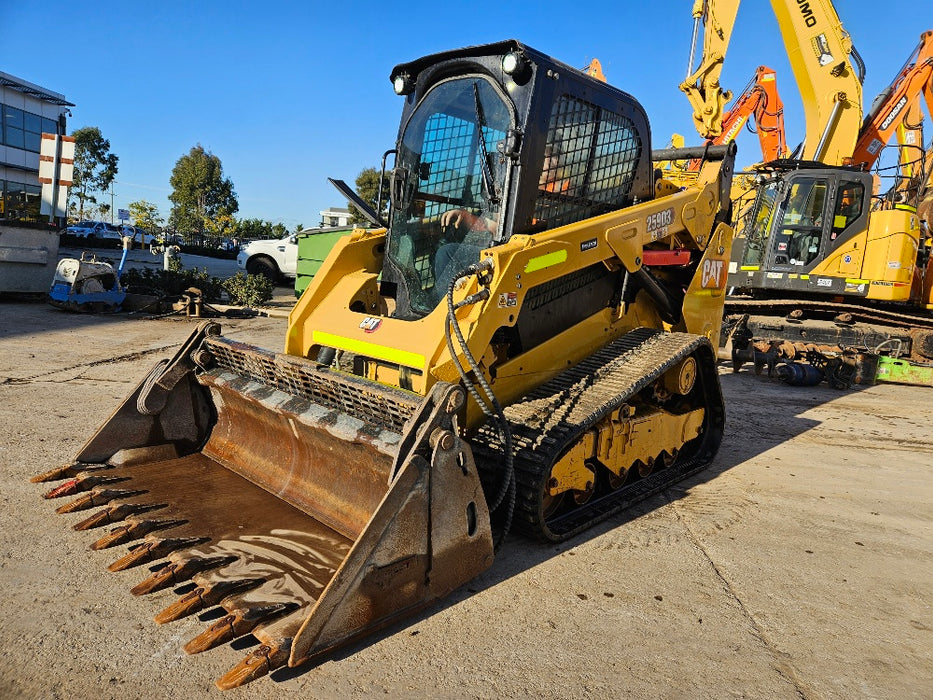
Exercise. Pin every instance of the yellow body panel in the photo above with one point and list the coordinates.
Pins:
(882, 257)
(621, 440)
(342, 309)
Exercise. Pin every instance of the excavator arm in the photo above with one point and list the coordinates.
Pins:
(701, 86)
(896, 102)
(761, 101)
(821, 55)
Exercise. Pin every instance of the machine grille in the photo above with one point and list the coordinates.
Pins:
(376, 404)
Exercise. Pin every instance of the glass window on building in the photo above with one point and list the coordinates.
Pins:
(32, 201)
(32, 132)
(24, 129)
(32, 122)
(20, 202)
(13, 127)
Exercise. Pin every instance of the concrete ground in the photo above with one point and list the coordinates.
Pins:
(798, 565)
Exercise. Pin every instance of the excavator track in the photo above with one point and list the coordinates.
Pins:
(832, 327)
(555, 416)
(903, 318)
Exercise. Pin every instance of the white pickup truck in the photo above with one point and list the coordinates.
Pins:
(274, 258)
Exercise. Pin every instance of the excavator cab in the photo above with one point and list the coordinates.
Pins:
(808, 232)
(803, 215)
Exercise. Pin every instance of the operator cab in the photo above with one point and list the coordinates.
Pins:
(499, 140)
(799, 218)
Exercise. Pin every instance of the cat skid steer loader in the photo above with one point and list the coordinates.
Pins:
(529, 339)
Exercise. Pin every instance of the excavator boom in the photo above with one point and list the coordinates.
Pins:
(915, 79)
(827, 69)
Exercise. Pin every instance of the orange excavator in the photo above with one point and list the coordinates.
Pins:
(760, 108)
(914, 79)
(760, 102)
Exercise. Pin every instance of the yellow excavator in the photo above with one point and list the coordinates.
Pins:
(822, 268)
(529, 339)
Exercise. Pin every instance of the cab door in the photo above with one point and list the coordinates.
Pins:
(797, 241)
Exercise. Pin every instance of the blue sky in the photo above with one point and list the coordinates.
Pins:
(287, 94)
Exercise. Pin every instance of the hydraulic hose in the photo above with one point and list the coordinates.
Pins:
(507, 488)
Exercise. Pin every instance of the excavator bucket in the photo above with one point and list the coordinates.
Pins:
(312, 507)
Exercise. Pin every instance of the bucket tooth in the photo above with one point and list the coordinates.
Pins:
(152, 550)
(115, 513)
(96, 497)
(134, 531)
(239, 622)
(179, 572)
(67, 471)
(258, 663)
(206, 596)
(81, 484)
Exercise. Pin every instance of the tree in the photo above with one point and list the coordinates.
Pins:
(221, 226)
(95, 166)
(367, 187)
(200, 192)
(146, 215)
(254, 229)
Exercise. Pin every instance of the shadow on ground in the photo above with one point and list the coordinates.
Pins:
(748, 435)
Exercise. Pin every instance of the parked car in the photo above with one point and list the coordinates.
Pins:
(138, 235)
(99, 230)
(81, 228)
(274, 258)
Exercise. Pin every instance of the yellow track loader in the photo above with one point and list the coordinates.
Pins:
(527, 339)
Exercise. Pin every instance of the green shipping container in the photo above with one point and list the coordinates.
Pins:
(313, 246)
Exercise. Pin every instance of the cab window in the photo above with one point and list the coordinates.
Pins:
(848, 207)
(797, 242)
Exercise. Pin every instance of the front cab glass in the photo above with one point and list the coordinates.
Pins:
(448, 160)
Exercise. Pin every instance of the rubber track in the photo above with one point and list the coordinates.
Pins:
(558, 413)
(908, 318)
